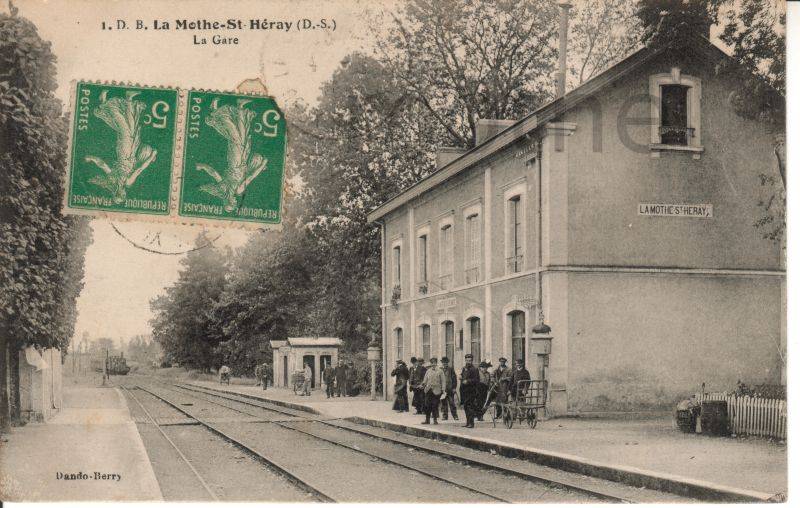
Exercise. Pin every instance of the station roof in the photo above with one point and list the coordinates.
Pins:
(307, 342)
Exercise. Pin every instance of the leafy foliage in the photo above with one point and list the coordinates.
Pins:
(603, 31)
(41, 252)
(184, 324)
(665, 19)
(466, 60)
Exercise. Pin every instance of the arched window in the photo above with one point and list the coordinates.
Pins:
(425, 331)
(398, 340)
(449, 340)
(517, 336)
(475, 338)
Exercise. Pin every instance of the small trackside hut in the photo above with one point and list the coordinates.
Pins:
(289, 355)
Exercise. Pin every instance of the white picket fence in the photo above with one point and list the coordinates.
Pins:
(753, 416)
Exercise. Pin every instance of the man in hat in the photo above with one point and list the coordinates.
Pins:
(329, 377)
(469, 383)
(483, 388)
(451, 382)
(520, 374)
(501, 377)
(416, 375)
(340, 373)
(433, 386)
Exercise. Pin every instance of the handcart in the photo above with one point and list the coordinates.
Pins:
(298, 379)
(523, 404)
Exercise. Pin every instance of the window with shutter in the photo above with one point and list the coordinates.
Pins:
(426, 341)
(475, 339)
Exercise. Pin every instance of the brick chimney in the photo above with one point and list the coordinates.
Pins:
(563, 32)
(486, 128)
(447, 154)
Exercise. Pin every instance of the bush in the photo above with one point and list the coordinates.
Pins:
(765, 391)
(361, 383)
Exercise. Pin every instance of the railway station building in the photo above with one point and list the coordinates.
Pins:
(617, 257)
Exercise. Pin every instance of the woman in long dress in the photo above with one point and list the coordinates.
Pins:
(400, 374)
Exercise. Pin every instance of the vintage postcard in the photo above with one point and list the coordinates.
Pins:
(401, 251)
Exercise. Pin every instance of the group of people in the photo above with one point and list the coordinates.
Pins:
(434, 388)
(338, 380)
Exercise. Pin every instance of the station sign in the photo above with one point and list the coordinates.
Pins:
(701, 211)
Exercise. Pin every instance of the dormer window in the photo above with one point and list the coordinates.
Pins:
(675, 108)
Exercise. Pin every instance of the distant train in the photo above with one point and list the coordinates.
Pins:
(117, 365)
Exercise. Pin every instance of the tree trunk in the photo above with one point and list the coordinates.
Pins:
(16, 404)
(5, 415)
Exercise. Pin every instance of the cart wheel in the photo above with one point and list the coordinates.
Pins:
(508, 417)
(531, 418)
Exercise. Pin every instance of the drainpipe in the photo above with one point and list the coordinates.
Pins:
(539, 227)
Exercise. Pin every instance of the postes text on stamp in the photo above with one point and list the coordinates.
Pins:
(233, 162)
(123, 142)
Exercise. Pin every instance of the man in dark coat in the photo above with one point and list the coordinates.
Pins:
(520, 373)
(340, 373)
(501, 376)
(329, 378)
(469, 383)
(451, 382)
(351, 390)
(416, 375)
(400, 374)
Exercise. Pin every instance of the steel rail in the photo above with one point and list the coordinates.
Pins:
(551, 482)
(172, 443)
(295, 479)
(459, 458)
(287, 425)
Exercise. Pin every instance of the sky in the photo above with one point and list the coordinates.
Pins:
(120, 279)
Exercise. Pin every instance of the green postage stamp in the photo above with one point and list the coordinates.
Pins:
(233, 158)
(165, 155)
(123, 144)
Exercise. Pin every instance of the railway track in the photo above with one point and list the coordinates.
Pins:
(183, 457)
(300, 482)
(394, 451)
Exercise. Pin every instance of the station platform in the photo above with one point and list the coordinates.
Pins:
(92, 439)
(644, 451)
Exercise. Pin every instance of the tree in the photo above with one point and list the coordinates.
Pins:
(755, 33)
(41, 252)
(183, 322)
(664, 19)
(603, 32)
(466, 60)
(378, 141)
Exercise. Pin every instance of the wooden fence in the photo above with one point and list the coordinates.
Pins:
(753, 416)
